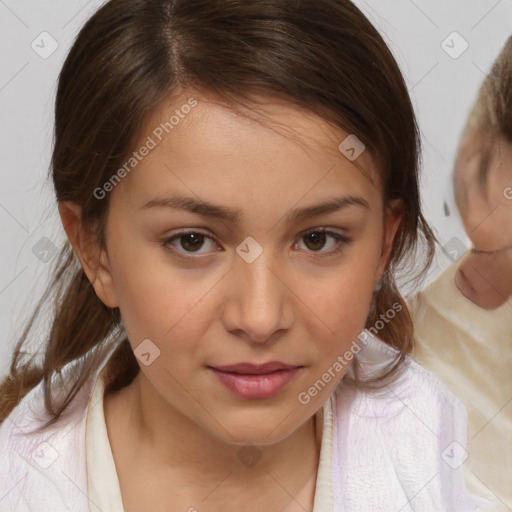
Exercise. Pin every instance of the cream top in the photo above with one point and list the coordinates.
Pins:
(103, 485)
(470, 350)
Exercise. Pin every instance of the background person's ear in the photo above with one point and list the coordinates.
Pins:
(393, 215)
(92, 256)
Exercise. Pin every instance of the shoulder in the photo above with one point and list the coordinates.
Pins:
(413, 385)
(408, 438)
(415, 402)
(46, 469)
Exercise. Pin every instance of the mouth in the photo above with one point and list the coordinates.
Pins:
(255, 369)
(255, 382)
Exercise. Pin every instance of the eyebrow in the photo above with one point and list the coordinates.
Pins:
(207, 209)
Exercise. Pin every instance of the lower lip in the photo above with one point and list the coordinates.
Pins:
(256, 386)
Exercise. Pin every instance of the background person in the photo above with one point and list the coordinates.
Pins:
(463, 320)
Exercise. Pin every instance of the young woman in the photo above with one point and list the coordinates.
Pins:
(238, 182)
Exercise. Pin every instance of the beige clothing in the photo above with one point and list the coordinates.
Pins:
(470, 350)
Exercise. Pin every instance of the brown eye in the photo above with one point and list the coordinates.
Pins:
(318, 239)
(315, 240)
(191, 241)
(185, 243)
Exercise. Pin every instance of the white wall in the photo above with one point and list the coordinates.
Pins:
(442, 89)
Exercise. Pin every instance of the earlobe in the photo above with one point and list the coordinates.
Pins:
(89, 251)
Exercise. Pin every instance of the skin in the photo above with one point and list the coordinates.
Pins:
(299, 302)
(485, 275)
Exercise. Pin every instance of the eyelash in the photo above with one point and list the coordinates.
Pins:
(341, 240)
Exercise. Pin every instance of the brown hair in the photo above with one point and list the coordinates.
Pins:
(133, 54)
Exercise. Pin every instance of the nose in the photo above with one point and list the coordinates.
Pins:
(259, 302)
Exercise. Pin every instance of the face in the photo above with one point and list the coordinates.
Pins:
(219, 254)
(485, 275)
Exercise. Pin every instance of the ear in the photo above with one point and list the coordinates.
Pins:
(92, 256)
(393, 215)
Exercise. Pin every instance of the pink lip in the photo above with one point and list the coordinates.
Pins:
(256, 385)
(255, 369)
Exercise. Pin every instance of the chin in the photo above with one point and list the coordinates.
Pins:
(262, 429)
(486, 299)
(489, 301)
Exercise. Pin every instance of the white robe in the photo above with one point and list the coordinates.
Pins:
(396, 451)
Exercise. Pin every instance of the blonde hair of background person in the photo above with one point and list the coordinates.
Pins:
(187, 133)
(463, 321)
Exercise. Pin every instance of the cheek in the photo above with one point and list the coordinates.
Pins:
(160, 301)
(157, 300)
(342, 298)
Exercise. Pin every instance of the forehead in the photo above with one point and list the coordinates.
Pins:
(274, 150)
(268, 118)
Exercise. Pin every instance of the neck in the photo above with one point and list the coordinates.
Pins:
(284, 472)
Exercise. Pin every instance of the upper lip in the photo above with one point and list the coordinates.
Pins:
(255, 369)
